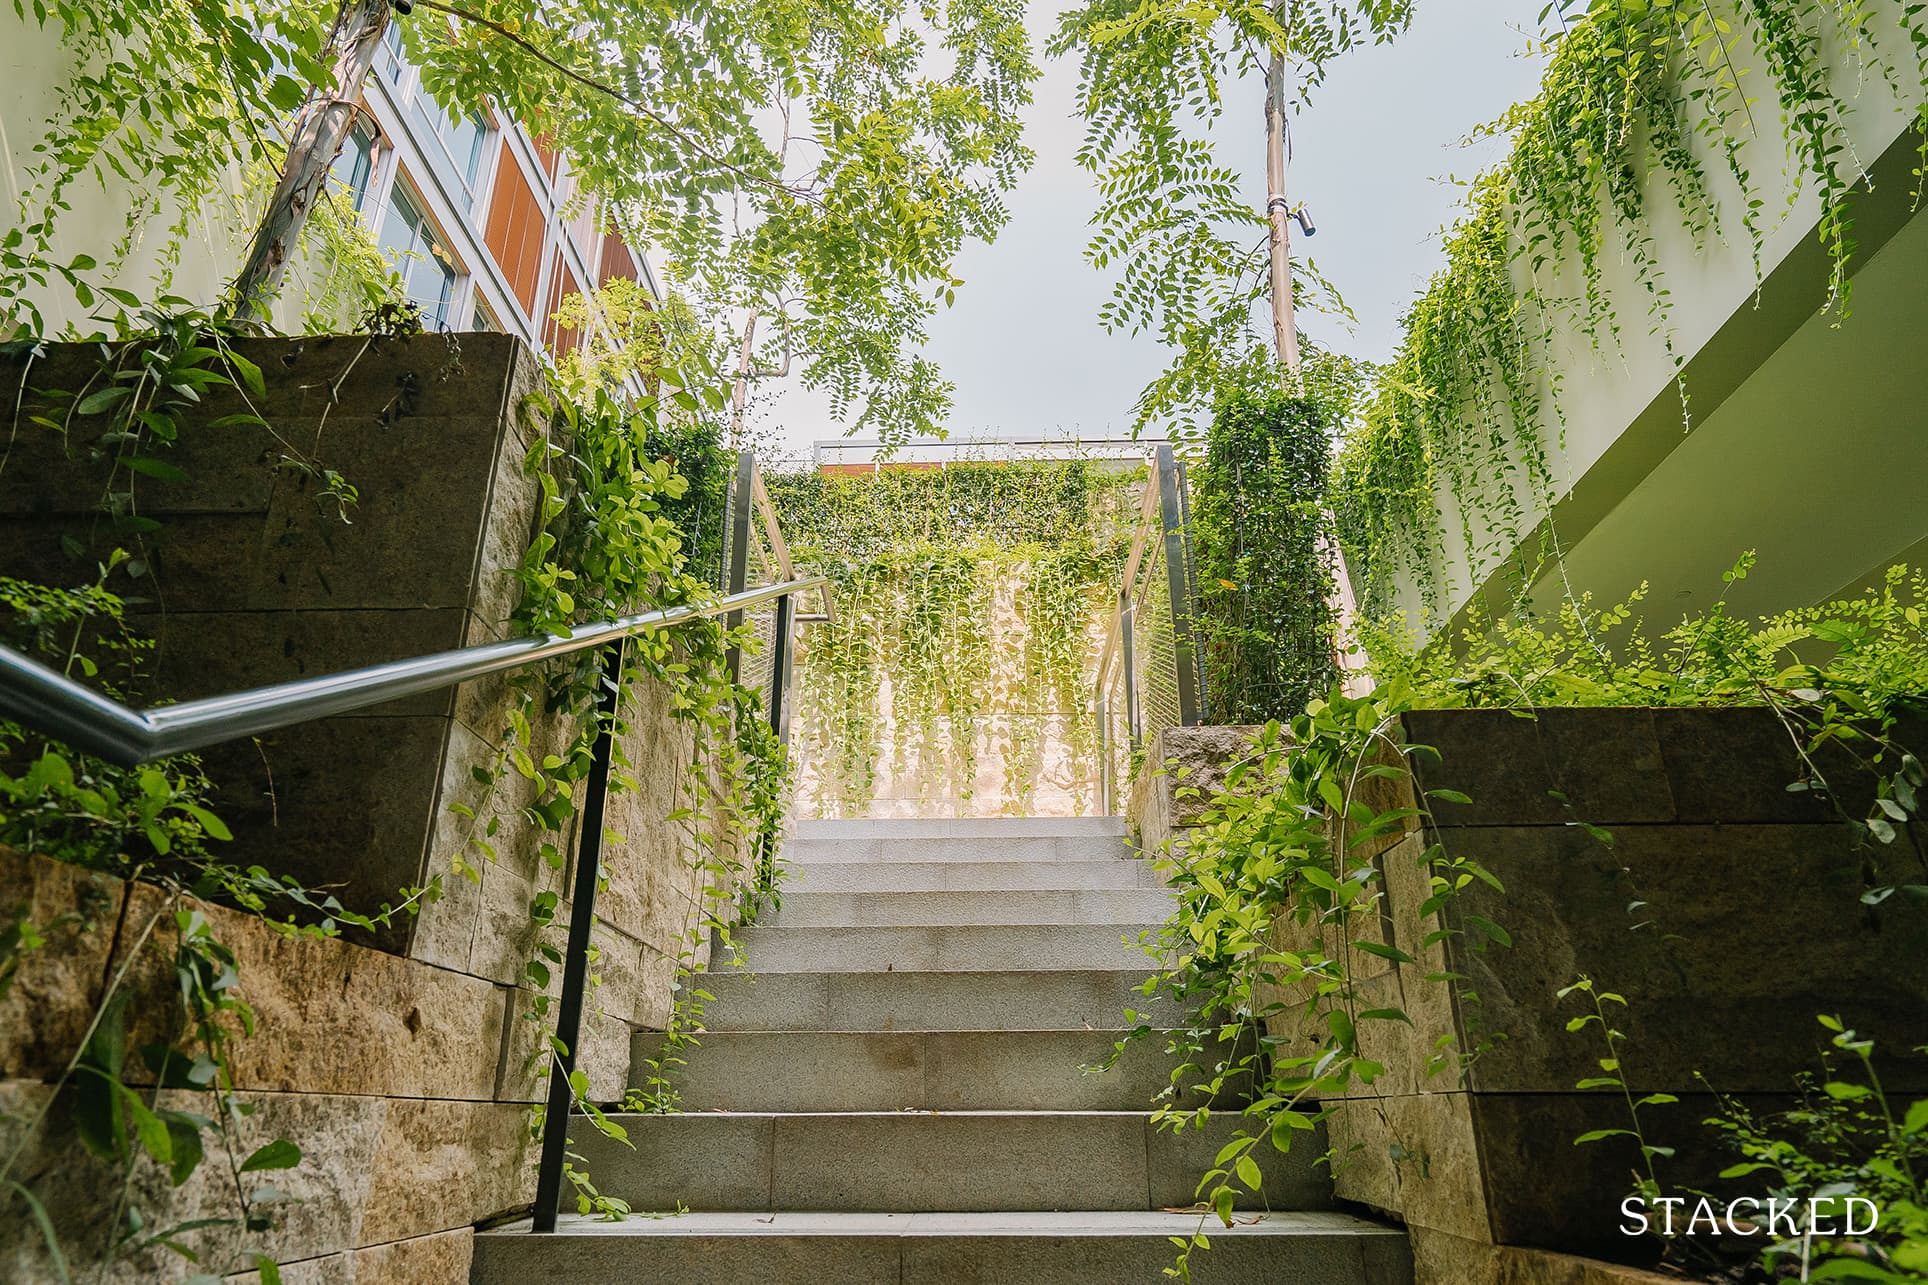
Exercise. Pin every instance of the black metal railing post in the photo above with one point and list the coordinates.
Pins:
(780, 668)
(575, 962)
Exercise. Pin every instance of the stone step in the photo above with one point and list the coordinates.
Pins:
(959, 827)
(1087, 1247)
(803, 850)
(1065, 999)
(968, 947)
(962, 876)
(914, 1070)
(925, 1162)
(979, 906)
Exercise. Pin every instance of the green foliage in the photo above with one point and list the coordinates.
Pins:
(1842, 1139)
(1613, 1075)
(928, 565)
(1281, 890)
(1840, 676)
(614, 508)
(1279, 897)
(1264, 582)
(1191, 251)
(1471, 405)
(1845, 1138)
(819, 166)
(168, 96)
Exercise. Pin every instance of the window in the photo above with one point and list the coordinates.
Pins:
(462, 139)
(427, 269)
(392, 41)
(483, 320)
(355, 166)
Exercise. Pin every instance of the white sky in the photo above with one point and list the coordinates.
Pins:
(1373, 159)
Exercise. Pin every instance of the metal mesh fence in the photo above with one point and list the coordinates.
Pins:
(758, 667)
(1157, 680)
(1154, 646)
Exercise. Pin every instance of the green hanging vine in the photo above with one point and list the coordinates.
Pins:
(966, 599)
(1471, 404)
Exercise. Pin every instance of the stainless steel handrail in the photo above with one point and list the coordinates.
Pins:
(57, 706)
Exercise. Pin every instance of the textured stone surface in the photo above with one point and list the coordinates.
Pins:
(342, 803)
(398, 1076)
(1442, 1259)
(1753, 895)
(332, 1017)
(447, 1164)
(1184, 767)
(1415, 1155)
(1606, 762)
(1758, 928)
(441, 1258)
(44, 1012)
(337, 1018)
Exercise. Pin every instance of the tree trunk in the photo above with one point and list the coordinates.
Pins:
(319, 132)
(1347, 658)
(740, 388)
(1285, 329)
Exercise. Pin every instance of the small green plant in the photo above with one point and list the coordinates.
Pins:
(1280, 894)
(1613, 1075)
(1846, 1138)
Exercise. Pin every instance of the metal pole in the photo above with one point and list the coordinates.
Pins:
(575, 962)
(1177, 559)
(1128, 621)
(780, 669)
(741, 502)
(1101, 709)
(1191, 588)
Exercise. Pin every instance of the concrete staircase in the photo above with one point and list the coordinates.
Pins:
(894, 1092)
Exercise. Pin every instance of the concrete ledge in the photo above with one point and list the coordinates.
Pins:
(1086, 1248)
(971, 1161)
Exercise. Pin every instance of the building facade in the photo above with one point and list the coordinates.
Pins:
(486, 225)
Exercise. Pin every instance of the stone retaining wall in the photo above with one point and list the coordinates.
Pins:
(1756, 927)
(399, 1065)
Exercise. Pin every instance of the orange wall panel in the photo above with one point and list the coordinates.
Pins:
(617, 260)
(562, 284)
(514, 231)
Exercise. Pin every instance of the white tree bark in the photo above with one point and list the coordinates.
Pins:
(1285, 329)
(320, 130)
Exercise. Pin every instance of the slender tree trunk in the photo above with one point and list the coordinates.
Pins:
(1285, 328)
(1346, 656)
(740, 389)
(319, 132)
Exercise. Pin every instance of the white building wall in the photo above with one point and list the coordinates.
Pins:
(1605, 392)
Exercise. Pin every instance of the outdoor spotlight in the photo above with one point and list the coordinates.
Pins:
(1305, 221)
(403, 7)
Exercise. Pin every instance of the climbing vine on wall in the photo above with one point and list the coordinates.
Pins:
(1264, 582)
(966, 599)
(612, 539)
(1471, 405)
